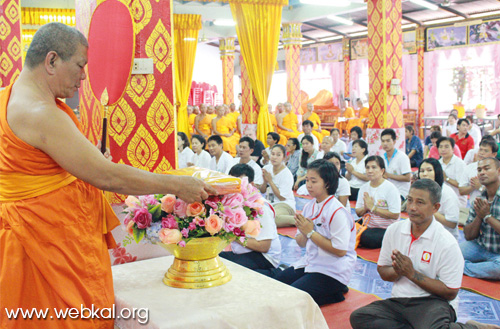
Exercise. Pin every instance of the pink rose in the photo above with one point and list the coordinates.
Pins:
(252, 228)
(195, 209)
(168, 202)
(213, 224)
(169, 222)
(244, 187)
(182, 243)
(132, 201)
(228, 227)
(199, 221)
(148, 200)
(142, 218)
(180, 208)
(169, 236)
(228, 212)
(239, 218)
(130, 227)
(232, 200)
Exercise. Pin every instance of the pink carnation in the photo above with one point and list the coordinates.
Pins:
(180, 208)
(192, 226)
(182, 243)
(199, 221)
(142, 218)
(169, 222)
(185, 232)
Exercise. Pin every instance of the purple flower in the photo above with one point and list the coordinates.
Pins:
(185, 232)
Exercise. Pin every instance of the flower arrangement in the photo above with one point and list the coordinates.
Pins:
(170, 220)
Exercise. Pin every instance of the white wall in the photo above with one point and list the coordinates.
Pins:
(208, 66)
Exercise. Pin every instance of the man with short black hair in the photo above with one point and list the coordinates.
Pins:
(246, 147)
(307, 127)
(462, 138)
(397, 164)
(424, 261)
(482, 231)
(220, 160)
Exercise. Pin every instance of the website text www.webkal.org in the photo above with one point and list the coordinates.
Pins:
(141, 314)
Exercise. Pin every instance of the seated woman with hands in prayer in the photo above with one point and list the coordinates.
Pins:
(326, 229)
(309, 154)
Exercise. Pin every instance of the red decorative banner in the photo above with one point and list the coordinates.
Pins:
(10, 42)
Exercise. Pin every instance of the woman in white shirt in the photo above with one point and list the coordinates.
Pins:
(309, 154)
(200, 158)
(380, 199)
(453, 166)
(356, 168)
(278, 183)
(449, 211)
(451, 125)
(185, 153)
(343, 190)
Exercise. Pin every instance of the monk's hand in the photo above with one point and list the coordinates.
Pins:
(193, 189)
(482, 207)
(402, 264)
(303, 224)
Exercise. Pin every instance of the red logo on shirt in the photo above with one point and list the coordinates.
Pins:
(426, 257)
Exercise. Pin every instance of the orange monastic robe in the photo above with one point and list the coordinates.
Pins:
(224, 126)
(53, 250)
(363, 114)
(290, 121)
(283, 139)
(317, 123)
(192, 117)
(205, 125)
(349, 113)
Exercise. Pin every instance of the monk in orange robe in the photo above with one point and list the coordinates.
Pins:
(347, 114)
(283, 139)
(314, 118)
(203, 122)
(222, 126)
(362, 117)
(287, 123)
(54, 224)
(191, 117)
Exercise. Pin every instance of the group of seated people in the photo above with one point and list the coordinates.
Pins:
(380, 187)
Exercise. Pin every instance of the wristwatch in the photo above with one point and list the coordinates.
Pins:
(309, 235)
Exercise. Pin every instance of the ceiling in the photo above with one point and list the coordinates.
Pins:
(316, 27)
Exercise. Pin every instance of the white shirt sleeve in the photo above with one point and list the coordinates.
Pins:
(392, 197)
(268, 230)
(384, 259)
(343, 188)
(258, 179)
(451, 266)
(340, 229)
(360, 202)
(450, 206)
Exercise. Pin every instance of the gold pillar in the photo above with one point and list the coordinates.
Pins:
(226, 47)
(420, 54)
(385, 50)
(292, 37)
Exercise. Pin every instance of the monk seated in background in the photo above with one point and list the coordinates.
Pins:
(222, 125)
(288, 122)
(346, 114)
(362, 116)
(203, 123)
(314, 118)
(192, 112)
(283, 139)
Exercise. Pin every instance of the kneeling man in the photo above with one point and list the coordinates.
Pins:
(424, 261)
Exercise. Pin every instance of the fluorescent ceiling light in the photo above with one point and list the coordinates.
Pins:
(308, 42)
(407, 26)
(340, 20)
(224, 22)
(488, 13)
(357, 34)
(330, 3)
(425, 4)
(444, 20)
(337, 37)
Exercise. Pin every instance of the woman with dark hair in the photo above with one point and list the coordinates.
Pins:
(184, 152)
(326, 229)
(356, 167)
(343, 190)
(278, 183)
(309, 154)
(293, 155)
(201, 158)
(449, 212)
(356, 133)
(453, 167)
(379, 198)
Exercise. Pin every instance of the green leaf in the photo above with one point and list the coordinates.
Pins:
(156, 212)
(138, 234)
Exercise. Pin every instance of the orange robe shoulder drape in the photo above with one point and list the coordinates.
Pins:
(224, 125)
(283, 138)
(290, 121)
(191, 118)
(53, 241)
(205, 125)
(363, 114)
(349, 113)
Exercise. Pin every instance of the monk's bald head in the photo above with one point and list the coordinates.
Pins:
(62, 39)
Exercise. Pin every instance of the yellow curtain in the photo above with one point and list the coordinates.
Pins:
(258, 24)
(186, 28)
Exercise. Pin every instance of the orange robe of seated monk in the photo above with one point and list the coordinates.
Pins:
(290, 121)
(283, 139)
(314, 118)
(363, 114)
(192, 117)
(349, 113)
(53, 236)
(224, 126)
(205, 125)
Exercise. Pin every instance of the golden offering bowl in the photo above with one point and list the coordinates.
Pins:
(197, 265)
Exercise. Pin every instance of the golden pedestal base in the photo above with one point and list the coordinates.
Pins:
(197, 265)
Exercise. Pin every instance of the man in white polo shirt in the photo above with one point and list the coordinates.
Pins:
(424, 261)
(246, 147)
(338, 145)
(397, 163)
(220, 160)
